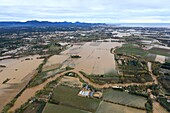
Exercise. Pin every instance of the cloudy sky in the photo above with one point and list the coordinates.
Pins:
(104, 11)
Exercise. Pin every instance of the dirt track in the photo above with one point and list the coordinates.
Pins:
(150, 71)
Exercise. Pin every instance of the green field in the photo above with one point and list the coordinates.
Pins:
(69, 96)
(124, 98)
(106, 107)
(129, 45)
(130, 49)
(150, 57)
(160, 51)
(167, 59)
(54, 48)
(52, 108)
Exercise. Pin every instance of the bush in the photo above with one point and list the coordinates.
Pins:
(149, 106)
(69, 68)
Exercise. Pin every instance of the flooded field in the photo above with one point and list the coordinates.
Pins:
(24, 97)
(30, 92)
(15, 76)
(55, 61)
(18, 69)
(95, 57)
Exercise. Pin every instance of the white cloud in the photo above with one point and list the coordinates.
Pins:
(109, 11)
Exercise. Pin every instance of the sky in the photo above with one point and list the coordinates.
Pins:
(93, 11)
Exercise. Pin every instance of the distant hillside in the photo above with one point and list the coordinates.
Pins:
(36, 23)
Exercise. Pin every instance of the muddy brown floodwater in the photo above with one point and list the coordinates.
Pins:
(18, 72)
(30, 92)
(55, 61)
(96, 57)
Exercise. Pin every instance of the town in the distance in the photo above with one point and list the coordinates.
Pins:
(64, 67)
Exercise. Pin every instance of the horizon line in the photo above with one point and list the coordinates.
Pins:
(89, 22)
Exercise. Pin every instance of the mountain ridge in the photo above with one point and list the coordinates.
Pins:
(35, 23)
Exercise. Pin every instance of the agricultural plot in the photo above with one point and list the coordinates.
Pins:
(165, 78)
(130, 49)
(164, 103)
(18, 70)
(160, 51)
(132, 69)
(160, 58)
(71, 81)
(104, 79)
(167, 59)
(157, 108)
(45, 75)
(67, 96)
(52, 108)
(150, 57)
(35, 107)
(95, 57)
(106, 107)
(165, 81)
(111, 77)
(54, 62)
(124, 98)
(15, 76)
(54, 48)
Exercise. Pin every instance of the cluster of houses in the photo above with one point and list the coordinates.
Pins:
(87, 92)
